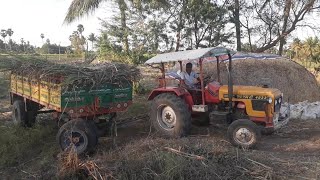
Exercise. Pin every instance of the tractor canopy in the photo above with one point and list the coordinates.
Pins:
(206, 53)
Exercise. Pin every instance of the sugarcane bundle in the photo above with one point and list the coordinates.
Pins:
(73, 75)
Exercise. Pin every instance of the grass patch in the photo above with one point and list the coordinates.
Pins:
(20, 145)
(139, 107)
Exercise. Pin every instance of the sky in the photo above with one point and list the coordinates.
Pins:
(29, 18)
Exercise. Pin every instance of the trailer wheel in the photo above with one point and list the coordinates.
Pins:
(244, 133)
(79, 133)
(32, 112)
(19, 115)
(170, 115)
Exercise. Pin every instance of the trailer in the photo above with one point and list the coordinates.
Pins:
(84, 111)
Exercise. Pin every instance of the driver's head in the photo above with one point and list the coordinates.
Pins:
(189, 67)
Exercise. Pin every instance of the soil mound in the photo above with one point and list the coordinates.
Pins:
(295, 81)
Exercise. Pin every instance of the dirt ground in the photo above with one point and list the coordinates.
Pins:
(293, 152)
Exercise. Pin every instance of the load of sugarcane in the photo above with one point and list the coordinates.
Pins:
(75, 75)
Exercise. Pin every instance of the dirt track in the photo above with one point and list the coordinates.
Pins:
(291, 153)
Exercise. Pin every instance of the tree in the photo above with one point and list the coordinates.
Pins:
(235, 18)
(42, 37)
(79, 8)
(275, 21)
(205, 23)
(23, 48)
(80, 29)
(92, 38)
(77, 42)
(4, 35)
(10, 33)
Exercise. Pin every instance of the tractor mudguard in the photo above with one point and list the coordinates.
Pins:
(181, 92)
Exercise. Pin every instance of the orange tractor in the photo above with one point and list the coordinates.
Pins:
(249, 110)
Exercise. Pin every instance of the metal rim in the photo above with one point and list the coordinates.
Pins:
(166, 117)
(244, 136)
(75, 137)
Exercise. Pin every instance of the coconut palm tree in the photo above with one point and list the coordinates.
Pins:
(92, 38)
(9, 32)
(42, 37)
(79, 8)
(4, 35)
(23, 44)
(309, 49)
(80, 29)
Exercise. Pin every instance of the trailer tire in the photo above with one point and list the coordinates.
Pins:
(244, 133)
(19, 115)
(170, 116)
(77, 132)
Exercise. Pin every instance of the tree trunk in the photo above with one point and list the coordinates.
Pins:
(284, 26)
(179, 28)
(123, 19)
(236, 15)
(250, 43)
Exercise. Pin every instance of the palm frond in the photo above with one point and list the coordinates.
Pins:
(79, 8)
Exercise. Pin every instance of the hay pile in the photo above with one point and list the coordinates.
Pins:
(296, 82)
(75, 75)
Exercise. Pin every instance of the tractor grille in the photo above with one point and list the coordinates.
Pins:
(258, 105)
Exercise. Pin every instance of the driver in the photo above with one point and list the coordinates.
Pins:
(189, 78)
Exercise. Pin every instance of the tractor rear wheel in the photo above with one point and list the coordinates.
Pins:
(19, 114)
(77, 132)
(243, 133)
(170, 115)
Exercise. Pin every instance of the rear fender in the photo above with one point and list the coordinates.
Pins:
(181, 92)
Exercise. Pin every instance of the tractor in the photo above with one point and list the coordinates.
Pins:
(249, 111)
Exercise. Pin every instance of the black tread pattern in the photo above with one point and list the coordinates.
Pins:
(247, 124)
(19, 117)
(183, 114)
(81, 125)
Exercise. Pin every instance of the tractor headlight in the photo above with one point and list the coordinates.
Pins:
(270, 100)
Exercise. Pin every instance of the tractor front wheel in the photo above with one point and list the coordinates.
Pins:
(170, 115)
(243, 133)
(78, 133)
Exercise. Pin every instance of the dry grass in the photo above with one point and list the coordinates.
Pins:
(72, 167)
(187, 158)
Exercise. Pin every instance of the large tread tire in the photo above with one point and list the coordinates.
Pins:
(240, 129)
(32, 112)
(81, 132)
(173, 108)
(19, 115)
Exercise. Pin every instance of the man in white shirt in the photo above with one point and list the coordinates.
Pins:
(189, 77)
